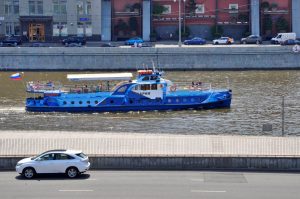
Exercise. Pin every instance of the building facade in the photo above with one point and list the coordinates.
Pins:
(113, 20)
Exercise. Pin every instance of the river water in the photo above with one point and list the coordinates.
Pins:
(257, 100)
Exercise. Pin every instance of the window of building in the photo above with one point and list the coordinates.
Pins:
(145, 87)
(153, 86)
(88, 29)
(31, 7)
(80, 7)
(233, 8)
(167, 9)
(80, 29)
(36, 7)
(60, 29)
(200, 9)
(88, 7)
(12, 28)
(59, 6)
(11, 6)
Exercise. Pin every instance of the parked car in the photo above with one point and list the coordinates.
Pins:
(195, 41)
(223, 40)
(70, 162)
(290, 42)
(11, 41)
(74, 40)
(140, 45)
(133, 40)
(252, 39)
(282, 37)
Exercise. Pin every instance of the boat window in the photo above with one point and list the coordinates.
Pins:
(80, 102)
(96, 102)
(111, 101)
(153, 78)
(64, 102)
(146, 78)
(122, 89)
(177, 100)
(169, 100)
(72, 102)
(184, 100)
(131, 101)
(192, 99)
(153, 86)
(145, 87)
(88, 102)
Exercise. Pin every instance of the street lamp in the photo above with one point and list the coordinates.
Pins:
(179, 22)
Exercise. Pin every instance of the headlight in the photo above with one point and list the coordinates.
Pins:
(19, 164)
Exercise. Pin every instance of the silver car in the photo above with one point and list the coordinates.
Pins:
(70, 162)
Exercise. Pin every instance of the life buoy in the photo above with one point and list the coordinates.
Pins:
(173, 88)
(296, 48)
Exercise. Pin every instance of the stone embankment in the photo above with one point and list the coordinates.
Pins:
(168, 58)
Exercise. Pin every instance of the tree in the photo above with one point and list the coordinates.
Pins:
(133, 23)
(216, 31)
(158, 9)
(191, 7)
(281, 25)
(267, 23)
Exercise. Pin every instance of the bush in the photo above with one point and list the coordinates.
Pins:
(217, 31)
(281, 25)
(265, 5)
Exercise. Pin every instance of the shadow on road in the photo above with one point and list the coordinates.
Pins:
(54, 177)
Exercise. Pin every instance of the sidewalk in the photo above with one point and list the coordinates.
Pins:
(27, 143)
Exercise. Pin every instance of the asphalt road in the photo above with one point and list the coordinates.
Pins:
(154, 185)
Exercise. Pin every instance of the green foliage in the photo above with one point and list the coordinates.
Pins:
(122, 25)
(267, 23)
(191, 7)
(216, 31)
(274, 5)
(265, 5)
(185, 32)
(281, 25)
(133, 23)
(243, 17)
(158, 9)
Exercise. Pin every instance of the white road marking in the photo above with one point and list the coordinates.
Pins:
(91, 179)
(197, 180)
(207, 191)
(69, 190)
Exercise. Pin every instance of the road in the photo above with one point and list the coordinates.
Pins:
(154, 184)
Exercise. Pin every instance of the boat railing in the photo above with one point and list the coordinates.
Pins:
(193, 85)
(42, 86)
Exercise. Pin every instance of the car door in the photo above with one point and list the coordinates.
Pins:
(63, 161)
(45, 163)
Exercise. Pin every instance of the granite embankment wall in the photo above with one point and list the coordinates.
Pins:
(169, 58)
(182, 163)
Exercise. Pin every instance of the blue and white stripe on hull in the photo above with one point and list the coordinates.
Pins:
(219, 104)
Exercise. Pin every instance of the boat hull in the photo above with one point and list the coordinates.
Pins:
(125, 108)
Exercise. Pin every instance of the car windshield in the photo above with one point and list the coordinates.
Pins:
(82, 155)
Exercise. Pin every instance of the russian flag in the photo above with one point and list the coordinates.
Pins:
(16, 76)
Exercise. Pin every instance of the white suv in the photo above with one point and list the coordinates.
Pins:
(70, 162)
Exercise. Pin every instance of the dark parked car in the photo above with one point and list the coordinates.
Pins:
(252, 39)
(74, 40)
(291, 42)
(195, 41)
(11, 41)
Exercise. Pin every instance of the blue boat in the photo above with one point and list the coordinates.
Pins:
(148, 92)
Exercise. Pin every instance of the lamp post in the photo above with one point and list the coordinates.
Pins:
(179, 22)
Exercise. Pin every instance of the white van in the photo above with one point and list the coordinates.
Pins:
(282, 37)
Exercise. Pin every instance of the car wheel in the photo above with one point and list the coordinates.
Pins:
(1, 44)
(257, 42)
(80, 44)
(15, 44)
(217, 43)
(28, 173)
(244, 42)
(72, 172)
